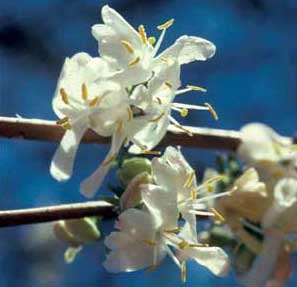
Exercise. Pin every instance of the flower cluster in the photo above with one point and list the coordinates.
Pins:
(127, 93)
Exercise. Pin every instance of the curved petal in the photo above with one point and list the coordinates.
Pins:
(162, 205)
(63, 160)
(187, 49)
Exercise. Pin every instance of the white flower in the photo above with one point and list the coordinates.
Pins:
(84, 94)
(135, 54)
(273, 155)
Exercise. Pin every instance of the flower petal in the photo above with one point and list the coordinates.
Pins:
(63, 160)
(187, 49)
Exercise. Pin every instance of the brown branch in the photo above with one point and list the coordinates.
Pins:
(42, 130)
(57, 212)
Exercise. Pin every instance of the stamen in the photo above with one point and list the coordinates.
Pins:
(151, 152)
(109, 160)
(134, 62)
(173, 230)
(189, 179)
(212, 111)
(130, 114)
(183, 244)
(184, 112)
(128, 46)
(84, 92)
(208, 183)
(183, 129)
(152, 40)
(157, 118)
(94, 102)
(150, 242)
(196, 88)
(218, 217)
(168, 84)
(166, 25)
(152, 268)
(193, 194)
(142, 34)
(198, 245)
(67, 126)
(183, 272)
(64, 96)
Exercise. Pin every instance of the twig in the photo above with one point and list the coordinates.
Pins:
(42, 130)
(57, 212)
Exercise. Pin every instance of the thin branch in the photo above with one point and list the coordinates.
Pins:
(57, 212)
(42, 130)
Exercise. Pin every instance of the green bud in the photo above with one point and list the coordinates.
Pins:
(132, 167)
(83, 229)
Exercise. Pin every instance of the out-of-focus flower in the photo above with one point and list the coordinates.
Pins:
(273, 155)
(135, 54)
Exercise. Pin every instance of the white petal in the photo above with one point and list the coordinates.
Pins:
(90, 185)
(162, 205)
(187, 49)
(63, 160)
(213, 258)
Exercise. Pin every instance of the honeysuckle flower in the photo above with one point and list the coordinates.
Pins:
(84, 91)
(134, 53)
(273, 155)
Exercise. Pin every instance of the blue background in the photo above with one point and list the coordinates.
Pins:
(251, 78)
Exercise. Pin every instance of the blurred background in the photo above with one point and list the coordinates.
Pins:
(251, 78)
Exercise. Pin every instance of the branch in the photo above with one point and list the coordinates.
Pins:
(42, 130)
(57, 212)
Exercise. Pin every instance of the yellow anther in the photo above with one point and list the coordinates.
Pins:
(150, 242)
(183, 244)
(152, 40)
(128, 46)
(183, 272)
(67, 126)
(210, 187)
(212, 111)
(183, 129)
(130, 114)
(189, 179)
(94, 102)
(198, 245)
(64, 96)
(214, 179)
(173, 230)
(151, 152)
(62, 121)
(84, 92)
(166, 25)
(219, 218)
(193, 194)
(142, 33)
(109, 160)
(156, 119)
(152, 268)
(196, 88)
(134, 62)
(184, 112)
(168, 84)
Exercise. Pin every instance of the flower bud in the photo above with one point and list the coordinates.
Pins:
(132, 195)
(83, 229)
(132, 167)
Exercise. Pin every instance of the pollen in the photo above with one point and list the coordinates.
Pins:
(128, 46)
(84, 92)
(183, 271)
(94, 102)
(196, 88)
(142, 33)
(166, 25)
(152, 40)
(184, 112)
(212, 111)
(189, 179)
(134, 62)
(183, 244)
(158, 118)
(130, 114)
(218, 217)
(64, 96)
